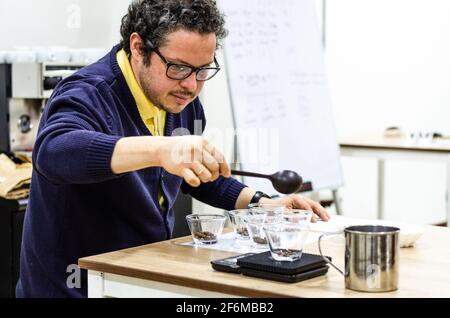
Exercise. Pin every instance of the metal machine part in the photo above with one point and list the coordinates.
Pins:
(24, 123)
(24, 119)
(37, 80)
(24, 92)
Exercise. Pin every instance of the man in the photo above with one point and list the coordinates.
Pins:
(107, 166)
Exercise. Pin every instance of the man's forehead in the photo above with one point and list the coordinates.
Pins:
(186, 39)
(190, 47)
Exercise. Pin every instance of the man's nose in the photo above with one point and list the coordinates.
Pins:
(190, 83)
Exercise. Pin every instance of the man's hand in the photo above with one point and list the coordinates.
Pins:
(190, 157)
(296, 201)
(193, 158)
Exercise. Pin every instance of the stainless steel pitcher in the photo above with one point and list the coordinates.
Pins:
(371, 258)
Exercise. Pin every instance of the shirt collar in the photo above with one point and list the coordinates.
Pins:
(146, 108)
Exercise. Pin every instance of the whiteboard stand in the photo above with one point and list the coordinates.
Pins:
(315, 195)
(337, 202)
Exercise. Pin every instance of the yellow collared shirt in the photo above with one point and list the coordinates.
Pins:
(153, 117)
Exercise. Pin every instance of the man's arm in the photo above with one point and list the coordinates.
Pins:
(293, 201)
(135, 153)
(230, 194)
(189, 157)
(244, 198)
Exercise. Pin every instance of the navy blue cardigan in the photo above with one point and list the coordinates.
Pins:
(78, 206)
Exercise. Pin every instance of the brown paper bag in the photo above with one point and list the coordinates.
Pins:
(14, 178)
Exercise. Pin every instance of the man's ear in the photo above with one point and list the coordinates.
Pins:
(136, 46)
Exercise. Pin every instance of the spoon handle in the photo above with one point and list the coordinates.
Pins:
(249, 174)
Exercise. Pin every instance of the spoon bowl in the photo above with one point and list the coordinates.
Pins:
(285, 181)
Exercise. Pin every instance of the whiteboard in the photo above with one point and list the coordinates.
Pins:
(279, 91)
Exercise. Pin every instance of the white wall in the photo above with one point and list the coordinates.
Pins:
(389, 65)
(72, 23)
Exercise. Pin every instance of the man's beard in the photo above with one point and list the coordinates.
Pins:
(153, 97)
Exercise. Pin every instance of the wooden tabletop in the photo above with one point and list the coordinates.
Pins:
(424, 269)
(395, 143)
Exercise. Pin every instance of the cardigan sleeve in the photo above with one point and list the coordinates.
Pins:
(222, 193)
(75, 141)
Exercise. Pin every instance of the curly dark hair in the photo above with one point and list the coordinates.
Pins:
(154, 20)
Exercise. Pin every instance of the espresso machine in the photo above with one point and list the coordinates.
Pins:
(24, 91)
(26, 88)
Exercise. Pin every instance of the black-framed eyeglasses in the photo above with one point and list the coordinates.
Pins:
(177, 71)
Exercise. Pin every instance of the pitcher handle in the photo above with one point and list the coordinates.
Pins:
(326, 258)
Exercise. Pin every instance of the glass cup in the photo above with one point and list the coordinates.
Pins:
(205, 228)
(273, 209)
(237, 221)
(297, 216)
(286, 240)
(255, 224)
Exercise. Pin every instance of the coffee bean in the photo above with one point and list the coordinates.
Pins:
(242, 231)
(205, 236)
(259, 240)
(285, 252)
